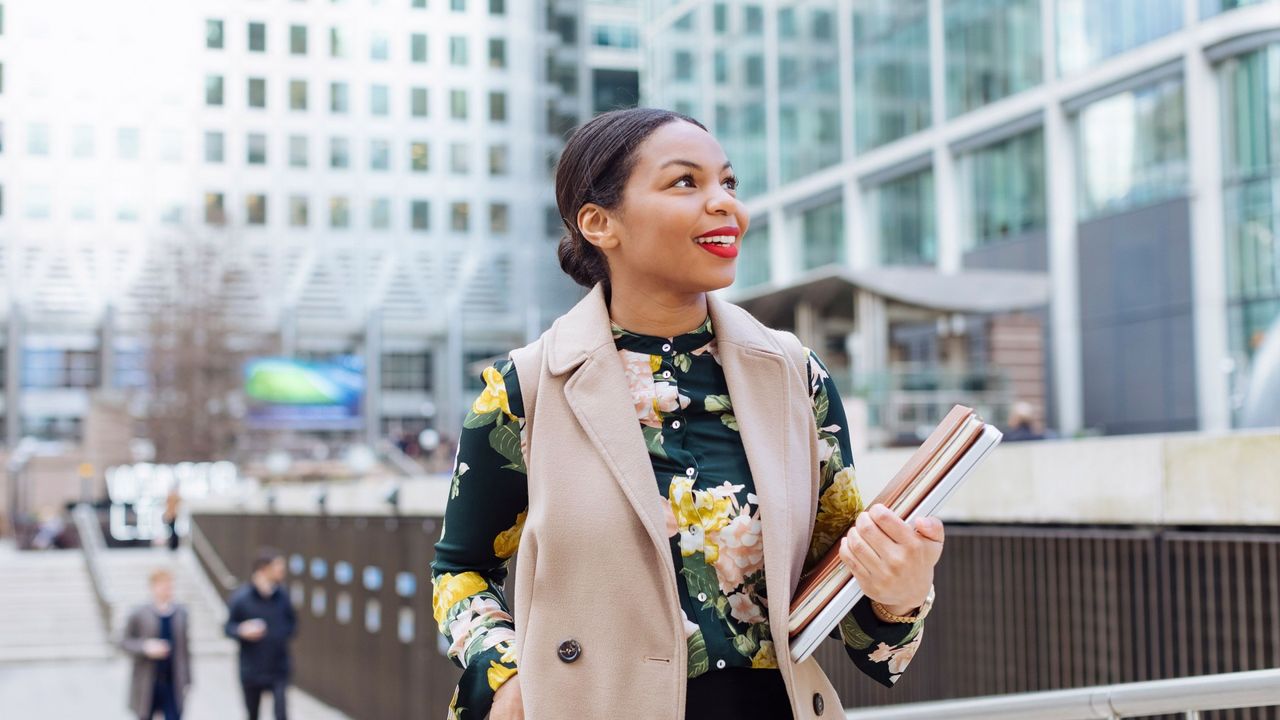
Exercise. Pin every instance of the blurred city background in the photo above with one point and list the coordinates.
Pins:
(255, 253)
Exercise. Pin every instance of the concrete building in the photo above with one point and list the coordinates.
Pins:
(1071, 202)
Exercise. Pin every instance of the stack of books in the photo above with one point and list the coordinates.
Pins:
(829, 591)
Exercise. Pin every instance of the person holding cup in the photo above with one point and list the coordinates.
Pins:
(261, 618)
(155, 636)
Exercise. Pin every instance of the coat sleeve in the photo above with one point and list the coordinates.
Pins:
(488, 501)
(132, 641)
(235, 615)
(880, 650)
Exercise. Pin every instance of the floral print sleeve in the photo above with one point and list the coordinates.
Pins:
(879, 649)
(488, 500)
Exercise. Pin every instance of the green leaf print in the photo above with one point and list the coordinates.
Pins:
(820, 407)
(505, 439)
(478, 421)
(701, 578)
(698, 660)
(730, 421)
(719, 403)
(653, 440)
(682, 362)
(745, 645)
(853, 635)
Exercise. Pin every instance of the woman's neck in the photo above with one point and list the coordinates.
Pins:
(659, 314)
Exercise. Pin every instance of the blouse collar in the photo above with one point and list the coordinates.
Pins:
(652, 345)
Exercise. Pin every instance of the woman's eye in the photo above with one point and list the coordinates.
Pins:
(686, 178)
(731, 183)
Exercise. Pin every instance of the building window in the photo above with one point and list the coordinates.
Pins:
(720, 18)
(298, 95)
(127, 142)
(339, 213)
(1132, 149)
(213, 38)
(338, 100)
(992, 49)
(1004, 190)
(38, 202)
(406, 371)
(499, 160)
(255, 209)
(257, 92)
(497, 7)
(213, 90)
(420, 215)
(339, 153)
(497, 53)
(419, 156)
(297, 39)
(753, 20)
(418, 47)
(459, 216)
(82, 141)
(257, 37)
(379, 155)
(215, 209)
(458, 5)
(809, 120)
(419, 4)
(822, 233)
(891, 71)
(51, 368)
(418, 101)
(299, 211)
(299, 151)
(458, 104)
(379, 47)
(904, 215)
(624, 37)
(380, 213)
(214, 147)
(499, 218)
(458, 51)
(379, 100)
(337, 43)
(497, 106)
(38, 139)
(753, 261)
(458, 158)
(256, 149)
(1090, 31)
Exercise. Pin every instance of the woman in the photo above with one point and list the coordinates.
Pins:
(666, 467)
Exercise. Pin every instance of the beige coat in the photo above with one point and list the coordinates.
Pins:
(144, 624)
(595, 563)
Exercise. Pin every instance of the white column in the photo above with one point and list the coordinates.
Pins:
(1208, 242)
(947, 221)
(373, 377)
(13, 381)
(773, 139)
(1064, 308)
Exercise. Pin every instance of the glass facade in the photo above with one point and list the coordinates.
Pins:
(903, 212)
(890, 70)
(1004, 190)
(808, 88)
(822, 235)
(1132, 149)
(1251, 197)
(738, 96)
(1090, 31)
(993, 51)
(1213, 7)
(753, 259)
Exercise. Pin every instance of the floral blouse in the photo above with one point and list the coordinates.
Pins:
(684, 411)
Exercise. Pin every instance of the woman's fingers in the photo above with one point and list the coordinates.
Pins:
(930, 528)
(891, 525)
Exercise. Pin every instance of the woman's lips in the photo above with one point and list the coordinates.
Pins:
(725, 251)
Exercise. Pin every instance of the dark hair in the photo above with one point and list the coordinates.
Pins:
(594, 168)
(265, 557)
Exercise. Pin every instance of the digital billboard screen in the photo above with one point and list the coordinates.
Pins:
(289, 394)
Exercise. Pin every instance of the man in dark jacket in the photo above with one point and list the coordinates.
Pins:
(261, 618)
(156, 638)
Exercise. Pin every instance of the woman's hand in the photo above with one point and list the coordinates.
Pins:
(508, 704)
(892, 561)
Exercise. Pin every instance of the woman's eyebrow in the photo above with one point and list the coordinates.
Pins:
(691, 164)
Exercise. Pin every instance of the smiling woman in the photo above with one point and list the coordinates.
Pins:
(668, 426)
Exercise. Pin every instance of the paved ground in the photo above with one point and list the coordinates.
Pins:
(97, 690)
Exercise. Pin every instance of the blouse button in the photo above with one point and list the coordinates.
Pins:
(666, 373)
(702, 597)
(675, 424)
(689, 472)
(666, 347)
(720, 664)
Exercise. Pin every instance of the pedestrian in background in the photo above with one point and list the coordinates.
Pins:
(156, 638)
(171, 505)
(262, 620)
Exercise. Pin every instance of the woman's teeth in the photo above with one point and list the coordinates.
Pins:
(716, 240)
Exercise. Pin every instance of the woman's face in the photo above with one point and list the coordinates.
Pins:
(680, 224)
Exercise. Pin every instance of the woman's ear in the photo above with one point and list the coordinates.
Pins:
(597, 226)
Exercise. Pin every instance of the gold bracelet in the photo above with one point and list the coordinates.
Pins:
(883, 614)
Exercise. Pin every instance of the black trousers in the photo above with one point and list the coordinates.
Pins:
(164, 700)
(737, 693)
(253, 697)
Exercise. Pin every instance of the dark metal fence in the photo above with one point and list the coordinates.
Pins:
(1019, 609)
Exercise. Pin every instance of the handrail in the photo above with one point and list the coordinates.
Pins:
(205, 550)
(93, 544)
(1189, 695)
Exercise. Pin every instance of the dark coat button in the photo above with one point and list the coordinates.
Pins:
(570, 650)
(818, 704)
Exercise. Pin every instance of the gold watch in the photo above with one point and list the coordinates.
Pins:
(885, 616)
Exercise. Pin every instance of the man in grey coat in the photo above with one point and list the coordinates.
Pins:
(156, 637)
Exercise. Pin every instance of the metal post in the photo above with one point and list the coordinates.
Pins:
(13, 380)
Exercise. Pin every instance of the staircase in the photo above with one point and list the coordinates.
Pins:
(47, 608)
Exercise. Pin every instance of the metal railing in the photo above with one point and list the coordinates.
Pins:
(1187, 696)
(93, 544)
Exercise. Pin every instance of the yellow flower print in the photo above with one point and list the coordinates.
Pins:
(508, 652)
(508, 541)
(700, 515)
(655, 363)
(450, 588)
(454, 710)
(498, 674)
(765, 657)
(842, 498)
(494, 396)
